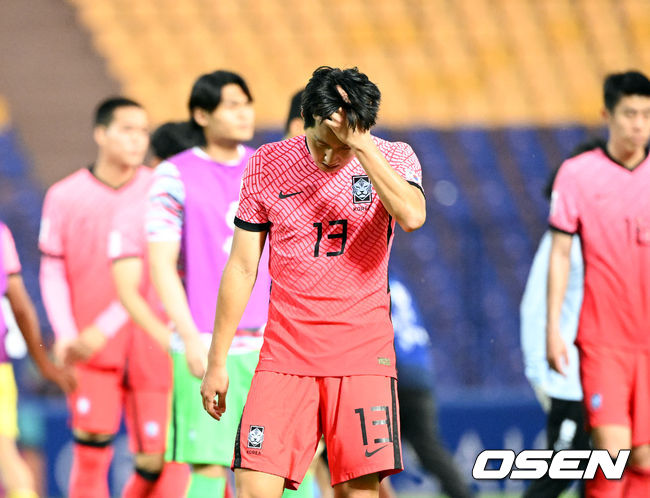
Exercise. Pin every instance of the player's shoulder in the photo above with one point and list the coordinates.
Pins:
(75, 182)
(588, 153)
(188, 155)
(395, 149)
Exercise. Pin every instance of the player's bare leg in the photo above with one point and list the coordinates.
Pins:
(362, 487)
(611, 438)
(254, 484)
(14, 473)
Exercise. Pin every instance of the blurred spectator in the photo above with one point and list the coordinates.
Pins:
(559, 395)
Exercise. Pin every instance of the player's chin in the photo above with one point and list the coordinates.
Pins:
(330, 168)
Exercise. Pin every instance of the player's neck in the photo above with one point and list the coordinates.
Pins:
(223, 152)
(113, 175)
(629, 158)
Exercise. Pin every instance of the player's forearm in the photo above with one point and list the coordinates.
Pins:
(402, 200)
(558, 277)
(27, 320)
(170, 289)
(234, 291)
(143, 315)
(56, 298)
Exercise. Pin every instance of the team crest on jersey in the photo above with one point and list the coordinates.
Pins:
(256, 436)
(361, 189)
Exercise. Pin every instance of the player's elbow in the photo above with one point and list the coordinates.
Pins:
(413, 220)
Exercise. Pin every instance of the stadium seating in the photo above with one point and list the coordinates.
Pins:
(510, 62)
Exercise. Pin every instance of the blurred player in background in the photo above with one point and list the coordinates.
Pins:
(172, 138)
(78, 291)
(15, 476)
(328, 363)
(559, 395)
(149, 375)
(602, 196)
(190, 226)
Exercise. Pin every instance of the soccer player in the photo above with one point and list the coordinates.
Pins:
(149, 373)
(15, 476)
(78, 290)
(328, 201)
(189, 228)
(559, 395)
(602, 196)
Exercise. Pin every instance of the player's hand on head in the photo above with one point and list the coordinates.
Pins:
(557, 353)
(196, 356)
(338, 123)
(213, 391)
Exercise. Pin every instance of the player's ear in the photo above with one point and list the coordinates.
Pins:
(99, 135)
(200, 116)
(606, 115)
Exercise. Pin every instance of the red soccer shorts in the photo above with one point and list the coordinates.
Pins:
(616, 386)
(285, 416)
(149, 382)
(148, 366)
(96, 404)
(147, 414)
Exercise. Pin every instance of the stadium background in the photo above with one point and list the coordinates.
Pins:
(491, 94)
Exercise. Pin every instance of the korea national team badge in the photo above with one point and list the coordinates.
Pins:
(361, 189)
(256, 437)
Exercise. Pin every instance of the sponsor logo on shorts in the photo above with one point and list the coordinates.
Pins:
(255, 437)
(596, 401)
(383, 361)
(151, 428)
(370, 453)
(534, 464)
(83, 405)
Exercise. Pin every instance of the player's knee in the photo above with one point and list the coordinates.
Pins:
(640, 456)
(254, 484)
(209, 470)
(91, 439)
(362, 487)
(151, 463)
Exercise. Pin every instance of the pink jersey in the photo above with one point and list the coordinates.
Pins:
(10, 263)
(77, 218)
(128, 239)
(330, 239)
(608, 206)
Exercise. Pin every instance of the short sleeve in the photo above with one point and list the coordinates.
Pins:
(407, 165)
(166, 207)
(10, 261)
(251, 214)
(50, 238)
(127, 236)
(565, 213)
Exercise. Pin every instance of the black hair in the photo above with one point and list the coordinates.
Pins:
(106, 109)
(587, 145)
(619, 85)
(206, 92)
(321, 97)
(172, 138)
(295, 109)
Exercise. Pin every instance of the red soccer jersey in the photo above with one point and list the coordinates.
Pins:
(330, 239)
(77, 218)
(609, 207)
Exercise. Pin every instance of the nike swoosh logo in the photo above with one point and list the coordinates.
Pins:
(370, 453)
(284, 196)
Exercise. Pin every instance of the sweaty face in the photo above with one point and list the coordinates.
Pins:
(125, 140)
(629, 123)
(327, 151)
(233, 119)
